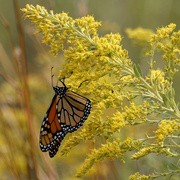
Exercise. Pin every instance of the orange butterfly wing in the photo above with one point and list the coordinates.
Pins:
(51, 132)
(73, 109)
(54, 149)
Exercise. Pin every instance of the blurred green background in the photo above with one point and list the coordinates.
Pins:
(16, 152)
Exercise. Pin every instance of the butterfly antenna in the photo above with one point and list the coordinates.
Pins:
(62, 83)
(52, 75)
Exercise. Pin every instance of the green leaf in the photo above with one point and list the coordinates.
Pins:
(174, 166)
(142, 85)
(178, 104)
(173, 92)
(166, 100)
(178, 161)
(136, 123)
(139, 70)
(137, 73)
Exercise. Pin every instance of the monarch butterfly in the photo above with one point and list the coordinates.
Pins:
(66, 113)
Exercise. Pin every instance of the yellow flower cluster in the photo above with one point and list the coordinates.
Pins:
(95, 60)
(88, 26)
(152, 149)
(60, 27)
(114, 123)
(166, 128)
(140, 36)
(138, 176)
(142, 152)
(128, 80)
(162, 33)
(109, 150)
(168, 44)
(157, 77)
(132, 112)
(170, 47)
(129, 144)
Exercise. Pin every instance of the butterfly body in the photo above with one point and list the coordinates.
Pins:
(60, 90)
(66, 113)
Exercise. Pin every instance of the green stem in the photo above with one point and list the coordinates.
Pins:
(166, 174)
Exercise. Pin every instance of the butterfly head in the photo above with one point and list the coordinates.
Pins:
(60, 90)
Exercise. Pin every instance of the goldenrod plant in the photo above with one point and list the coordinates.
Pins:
(122, 95)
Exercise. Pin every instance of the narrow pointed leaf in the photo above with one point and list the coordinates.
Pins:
(136, 71)
(165, 100)
(139, 70)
